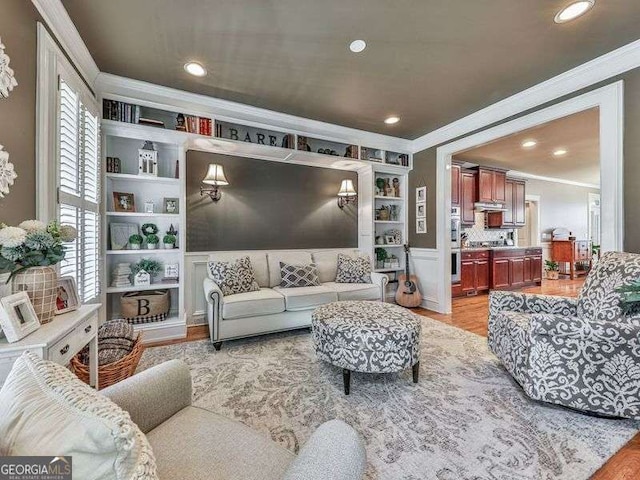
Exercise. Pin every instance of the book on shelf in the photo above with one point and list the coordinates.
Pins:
(199, 125)
(120, 111)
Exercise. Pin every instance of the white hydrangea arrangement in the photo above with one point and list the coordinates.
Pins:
(33, 244)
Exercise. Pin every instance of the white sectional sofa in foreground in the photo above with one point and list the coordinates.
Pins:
(273, 308)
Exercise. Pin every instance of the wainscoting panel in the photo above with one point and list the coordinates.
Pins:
(195, 267)
(424, 264)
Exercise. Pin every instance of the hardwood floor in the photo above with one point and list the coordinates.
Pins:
(471, 313)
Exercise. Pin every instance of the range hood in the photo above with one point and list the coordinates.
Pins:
(489, 207)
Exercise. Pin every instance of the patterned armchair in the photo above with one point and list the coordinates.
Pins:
(581, 353)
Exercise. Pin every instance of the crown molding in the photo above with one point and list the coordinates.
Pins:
(597, 70)
(530, 176)
(158, 96)
(65, 32)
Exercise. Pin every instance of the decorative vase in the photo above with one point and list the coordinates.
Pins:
(134, 246)
(552, 274)
(169, 246)
(40, 283)
(152, 246)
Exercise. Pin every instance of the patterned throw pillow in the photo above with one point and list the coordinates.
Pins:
(353, 269)
(234, 277)
(298, 275)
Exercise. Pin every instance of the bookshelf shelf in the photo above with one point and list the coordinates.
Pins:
(138, 178)
(153, 286)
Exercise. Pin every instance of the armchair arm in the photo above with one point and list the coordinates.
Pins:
(568, 329)
(531, 303)
(212, 291)
(153, 396)
(335, 451)
(381, 280)
(215, 300)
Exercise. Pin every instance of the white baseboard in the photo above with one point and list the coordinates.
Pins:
(162, 332)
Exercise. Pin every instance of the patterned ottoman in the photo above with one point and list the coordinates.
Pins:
(365, 336)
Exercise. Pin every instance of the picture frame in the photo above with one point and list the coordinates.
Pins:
(124, 202)
(119, 234)
(421, 194)
(421, 210)
(149, 207)
(171, 271)
(390, 239)
(67, 298)
(17, 316)
(421, 225)
(171, 205)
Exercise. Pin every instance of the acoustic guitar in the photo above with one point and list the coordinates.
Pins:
(408, 295)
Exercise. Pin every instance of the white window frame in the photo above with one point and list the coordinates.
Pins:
(53, 65)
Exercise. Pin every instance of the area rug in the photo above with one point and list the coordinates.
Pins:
(465, 419)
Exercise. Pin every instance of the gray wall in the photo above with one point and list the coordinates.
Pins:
(562, 206)
(267, 205)
(425, 164)
(18, 111)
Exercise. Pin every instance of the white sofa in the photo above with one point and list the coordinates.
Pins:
(272, 308)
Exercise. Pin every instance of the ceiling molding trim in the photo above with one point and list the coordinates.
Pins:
(530, 176)
(152, 95)
(65, 32)
(597, 70)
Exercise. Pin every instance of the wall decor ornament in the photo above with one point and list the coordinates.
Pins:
(7, 80)
(7, 172)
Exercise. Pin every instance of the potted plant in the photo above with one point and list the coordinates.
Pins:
(552, 268)
(28, 253)
(152, 267)
(135, 241)
(169, 241)
(152, 241)
(381, 256)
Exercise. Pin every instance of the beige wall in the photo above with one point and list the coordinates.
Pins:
(18, 111)
(425, 164)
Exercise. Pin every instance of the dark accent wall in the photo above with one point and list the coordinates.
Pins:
(424, 162)
(267, 205)
(18, 111)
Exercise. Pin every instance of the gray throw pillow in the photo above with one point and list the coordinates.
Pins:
(234, 277)
(299, 275)
(353, 269)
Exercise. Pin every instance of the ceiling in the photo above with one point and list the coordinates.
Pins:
(578, 134)
(429, 61)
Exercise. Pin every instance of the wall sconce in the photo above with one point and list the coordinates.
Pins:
(215, 177)
(347, 193)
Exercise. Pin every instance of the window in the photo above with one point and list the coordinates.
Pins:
(78, 186)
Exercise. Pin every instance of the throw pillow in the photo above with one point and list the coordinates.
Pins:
(298, 275)
(46, 410)
(234, 277)
(353, 269)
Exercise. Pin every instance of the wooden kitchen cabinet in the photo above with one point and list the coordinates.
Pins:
(514, 202)
(491, 185)
(500, 273)
(455, 185)
(474, 272)
(519, 206)
(467, 197)
(512, 269)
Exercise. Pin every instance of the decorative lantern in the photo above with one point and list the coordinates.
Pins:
(148, 160)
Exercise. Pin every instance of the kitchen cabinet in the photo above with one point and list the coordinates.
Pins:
(455, 185)
(474, 272)
(518, 203)
(514, 216)
(571, 252)
(512, 269)
(467, 197)
(491, 185)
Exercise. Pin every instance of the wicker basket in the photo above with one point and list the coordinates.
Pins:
(112, 372)
(145, 307)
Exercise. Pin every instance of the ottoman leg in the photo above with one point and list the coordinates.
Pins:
(416, 372)
(346, 378)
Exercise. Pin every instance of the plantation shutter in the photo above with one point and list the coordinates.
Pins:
(79, 186)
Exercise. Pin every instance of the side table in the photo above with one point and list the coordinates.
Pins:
(58, 341)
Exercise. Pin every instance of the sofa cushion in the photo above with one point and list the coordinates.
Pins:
(46, 410)
(258, 263)
(306, 298)
(295, 276)
(214, 447)
(233, 277)
(261, 302)
(292, 257)
(327, 262)
(353, 269)
(355, 291)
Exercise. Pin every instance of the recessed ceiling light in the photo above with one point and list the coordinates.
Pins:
(195, 69)
(529, 144)
(357, 46)
(574, 10)
(559, 152)
(391, 120)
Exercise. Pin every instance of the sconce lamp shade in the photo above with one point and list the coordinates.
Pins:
(215, 175)
(346, 189)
